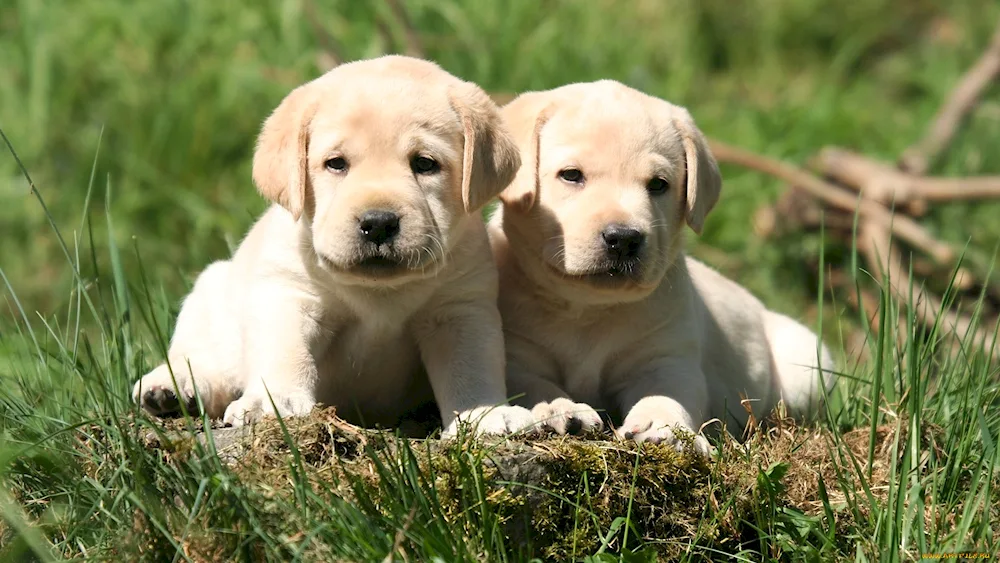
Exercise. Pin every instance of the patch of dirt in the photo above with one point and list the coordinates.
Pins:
(814, 453)
(838, 459)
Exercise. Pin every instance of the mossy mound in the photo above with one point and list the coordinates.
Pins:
(550, 497)
(555, 496)
(564, 494)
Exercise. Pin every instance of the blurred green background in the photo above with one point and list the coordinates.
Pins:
(174, 92)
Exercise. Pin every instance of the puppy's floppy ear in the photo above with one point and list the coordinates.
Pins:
(525, 116)
(704, 182)
(279, 162)
(490, 158)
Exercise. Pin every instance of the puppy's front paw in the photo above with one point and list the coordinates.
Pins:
(661, 428)
(492, 420)
(567, 417)
(155, 392)
(251, 408)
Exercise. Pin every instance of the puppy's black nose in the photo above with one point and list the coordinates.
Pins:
(622, 242)
(378, 226)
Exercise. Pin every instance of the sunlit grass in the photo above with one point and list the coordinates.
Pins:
(82, 478)
(136, 122)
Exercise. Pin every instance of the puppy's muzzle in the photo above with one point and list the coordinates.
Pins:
(378, 226)
(378, 252)
(622, 245)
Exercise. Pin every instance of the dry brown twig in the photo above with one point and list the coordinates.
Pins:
(887, 185)
(875, 241)
(411, 37)
(397, 543)
(961, 280)
(876, 188)
(860, 298)
(796, 210)
(903, 227)
(329, 54)
(385, 34)
(918, 158)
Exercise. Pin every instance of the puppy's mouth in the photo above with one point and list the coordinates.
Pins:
(381, 263)
(607, 274)
(378, 266)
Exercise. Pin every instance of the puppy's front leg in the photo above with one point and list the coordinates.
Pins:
(531, 382)
(462, 349)
(665, 394)
(282, 338)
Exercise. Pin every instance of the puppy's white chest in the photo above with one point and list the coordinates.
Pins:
(583, 381)
(583, 364)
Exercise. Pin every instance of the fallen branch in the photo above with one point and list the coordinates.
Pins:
(903, 227)
(796, 210)
(866, 301)
(414, 45)
(329, 54)
(917, 158)
(963, 278)
(888, 185)
(875, 241)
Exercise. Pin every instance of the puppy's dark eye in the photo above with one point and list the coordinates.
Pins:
(336, 164)
(571, 175)
(424, 165)
(657, 186)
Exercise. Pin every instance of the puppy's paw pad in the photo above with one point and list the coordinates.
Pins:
(567, 417)
(156, 393)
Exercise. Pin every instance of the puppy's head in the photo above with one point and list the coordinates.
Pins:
(610, 177)
(383, 160)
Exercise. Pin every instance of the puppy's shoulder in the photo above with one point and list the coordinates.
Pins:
(470, 271)
(499, 246)
(272, 247)
(719, 291)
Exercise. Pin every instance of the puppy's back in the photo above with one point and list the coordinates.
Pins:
(749, 350)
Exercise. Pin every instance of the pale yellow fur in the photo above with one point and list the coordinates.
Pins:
(294, 317)
(675, 344)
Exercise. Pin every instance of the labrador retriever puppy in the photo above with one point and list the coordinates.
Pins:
(370, 285)
(601, 308)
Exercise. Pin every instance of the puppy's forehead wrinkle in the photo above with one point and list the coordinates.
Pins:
(436, 234)
(368, 119)
(616, 123)
(438, 144)
(612, 149)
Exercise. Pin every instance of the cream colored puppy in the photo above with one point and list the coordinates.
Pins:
(370, 286)
(601, 308)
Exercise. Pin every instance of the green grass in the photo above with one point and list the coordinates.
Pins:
(136, 121)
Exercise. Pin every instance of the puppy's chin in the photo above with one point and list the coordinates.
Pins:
(619, 282)
(383, 268)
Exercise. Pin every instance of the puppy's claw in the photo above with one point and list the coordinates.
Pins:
(162, 401)
(156, 393)
(250, 409)
(492, 420)
(664, 433)
(564, 416)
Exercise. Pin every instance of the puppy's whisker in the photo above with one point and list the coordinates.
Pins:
(436, 240)
(437, 235)
(431, 258)
(554, 237)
